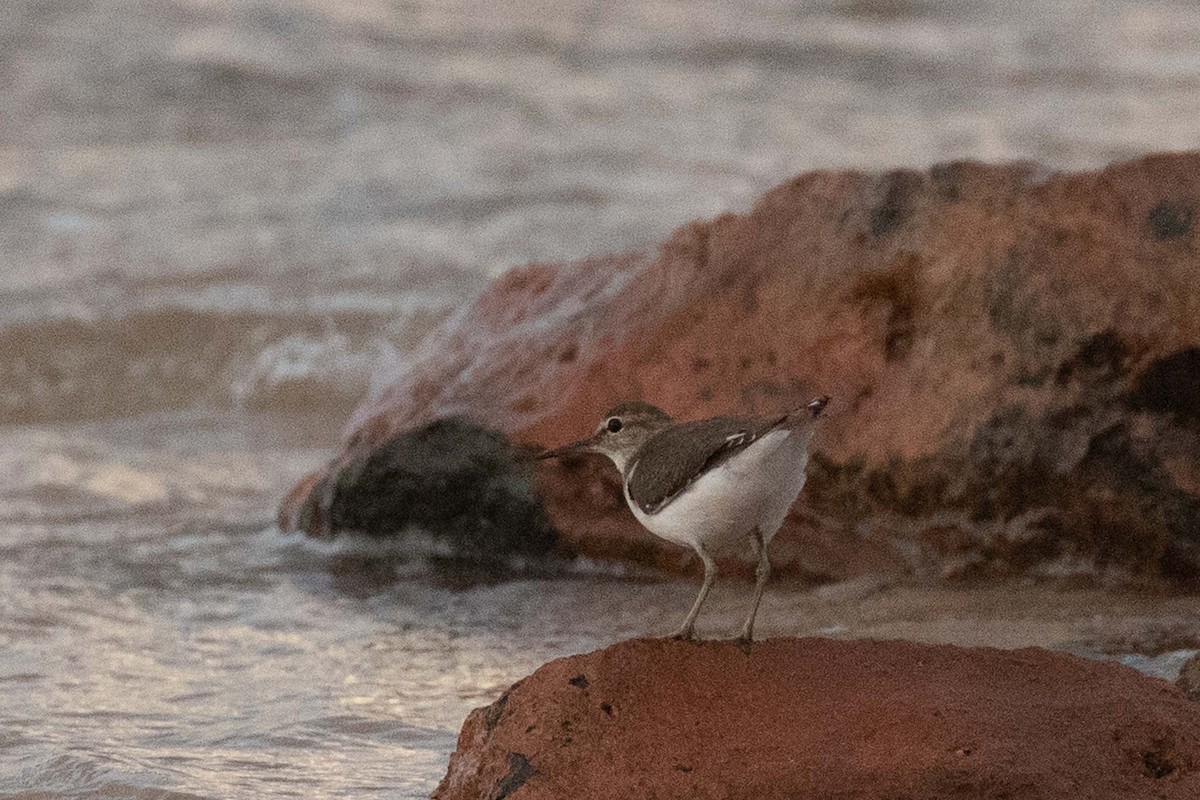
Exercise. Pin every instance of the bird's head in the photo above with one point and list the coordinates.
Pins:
(622, 431)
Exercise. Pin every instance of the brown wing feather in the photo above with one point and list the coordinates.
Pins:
(673, 458)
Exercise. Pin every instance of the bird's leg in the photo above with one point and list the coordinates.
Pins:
(710, 575)
(761, 573)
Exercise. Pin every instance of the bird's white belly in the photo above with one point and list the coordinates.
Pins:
(754, 489)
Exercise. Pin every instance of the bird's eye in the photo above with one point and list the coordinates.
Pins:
(614, 425)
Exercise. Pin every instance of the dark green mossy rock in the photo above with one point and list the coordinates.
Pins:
(460, 483)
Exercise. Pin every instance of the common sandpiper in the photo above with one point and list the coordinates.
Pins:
(716, 484)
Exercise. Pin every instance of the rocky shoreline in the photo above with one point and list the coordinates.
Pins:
(1019, 401)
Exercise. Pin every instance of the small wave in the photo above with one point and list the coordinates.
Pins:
(68, 776)
(362, 565)
(93, 475)
(414, 554)
(246, 352)
(1166, 666)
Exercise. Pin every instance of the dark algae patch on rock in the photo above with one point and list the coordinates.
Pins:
(1171, 385)
(519, 771)
(1171, 220)
(893, 209)
(458, 482)
(823, 718)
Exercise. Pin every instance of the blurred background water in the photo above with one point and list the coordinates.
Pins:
(223, 221)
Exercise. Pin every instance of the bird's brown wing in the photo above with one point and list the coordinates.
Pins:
(670, 460)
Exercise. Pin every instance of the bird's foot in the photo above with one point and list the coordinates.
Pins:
(683, 635)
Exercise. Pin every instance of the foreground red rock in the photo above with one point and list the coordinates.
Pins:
(1014, 358)
(800, 718)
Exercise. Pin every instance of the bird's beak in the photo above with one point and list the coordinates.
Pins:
(582, 446)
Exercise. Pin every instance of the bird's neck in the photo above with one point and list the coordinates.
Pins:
(621, 460)
(622, 456)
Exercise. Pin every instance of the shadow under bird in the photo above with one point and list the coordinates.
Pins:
(716, 485)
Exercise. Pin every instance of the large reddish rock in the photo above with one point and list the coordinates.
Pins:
(823, 718)
(1014, 358)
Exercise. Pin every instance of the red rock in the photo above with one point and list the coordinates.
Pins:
(1014, 358)
(823, 718)
(1189, 678)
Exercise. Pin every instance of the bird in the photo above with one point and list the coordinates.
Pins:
(715, 484)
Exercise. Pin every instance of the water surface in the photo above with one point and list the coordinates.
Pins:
(159, 634)
(224, 223)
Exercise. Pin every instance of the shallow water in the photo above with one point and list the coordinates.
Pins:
(223, 223)
(159, 635)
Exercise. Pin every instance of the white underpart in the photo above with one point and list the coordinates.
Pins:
(754, 489)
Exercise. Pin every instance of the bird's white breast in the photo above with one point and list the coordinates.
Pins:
(753, 489)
